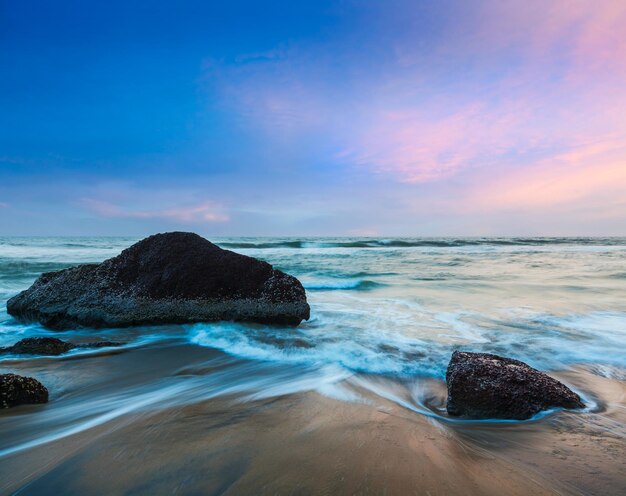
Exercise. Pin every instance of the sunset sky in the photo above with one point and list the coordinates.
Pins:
(368, 118)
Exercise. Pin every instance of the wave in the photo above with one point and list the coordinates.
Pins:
(24, 269)
(342, 284)
(271, 244)
(618, 275)
(272, 345)
(373, 342)
(419, 242)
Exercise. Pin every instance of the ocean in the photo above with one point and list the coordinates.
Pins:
(396, 307)
(357, 390)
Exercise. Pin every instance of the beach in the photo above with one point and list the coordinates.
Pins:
(350, 402)
(260, 441)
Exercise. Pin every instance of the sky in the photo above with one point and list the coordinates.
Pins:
(312, 118)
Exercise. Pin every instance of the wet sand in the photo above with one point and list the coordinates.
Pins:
(180, 419)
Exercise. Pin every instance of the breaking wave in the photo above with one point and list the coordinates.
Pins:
(346, 284)
(417, 242)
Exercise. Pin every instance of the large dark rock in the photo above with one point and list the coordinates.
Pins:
(17, 390)
(50, 346)
(481, 385)
(166, 278)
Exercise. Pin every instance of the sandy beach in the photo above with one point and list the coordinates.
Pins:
(210, 439)
(353, 400)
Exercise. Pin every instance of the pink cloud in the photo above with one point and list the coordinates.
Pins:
(576, 35)
(516, 105)
(4, 205)
(435, 141)
(592, 173)
(566, 85)
(202, 212)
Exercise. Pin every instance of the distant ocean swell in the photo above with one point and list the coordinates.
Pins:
(339, 284)
(409, 243)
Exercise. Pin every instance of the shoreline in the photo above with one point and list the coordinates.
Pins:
(287, 438)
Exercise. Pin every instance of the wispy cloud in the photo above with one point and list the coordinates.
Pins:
(589, 174)
(202, 212)
(426, 144)
(396, 116)
(504, 85)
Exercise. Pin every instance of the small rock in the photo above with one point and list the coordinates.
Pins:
(284, 342)
(99, 344)
(40, 346)
(50, 346)
(481, 385)
(17, 390)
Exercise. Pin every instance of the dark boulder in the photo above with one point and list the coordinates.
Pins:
(17, 390)
(40, 346)
(99, 344)
(50, 346)
(166, 278)
(481, 385)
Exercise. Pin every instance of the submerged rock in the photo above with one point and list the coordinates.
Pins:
(284, 342)
(50, 346)
(99, 344)
(17, 390)
(39, 346)
(166, 278)
(481, 385)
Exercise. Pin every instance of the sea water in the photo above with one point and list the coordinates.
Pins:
(386, 315)
(396, 307)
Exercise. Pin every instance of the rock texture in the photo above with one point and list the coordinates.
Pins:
(481, 385)
(50, 346)
(17, 390)
(166, 278)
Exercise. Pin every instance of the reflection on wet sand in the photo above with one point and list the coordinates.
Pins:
(171, 417)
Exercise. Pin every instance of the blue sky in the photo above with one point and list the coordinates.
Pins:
(382, 118)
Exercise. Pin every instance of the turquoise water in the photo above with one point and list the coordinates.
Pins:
(396, 307)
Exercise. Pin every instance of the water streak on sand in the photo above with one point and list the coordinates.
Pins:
(386, 316)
